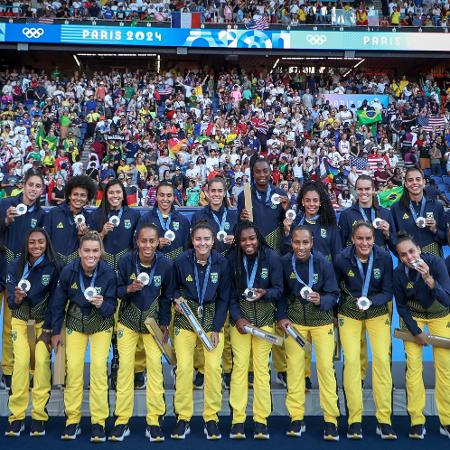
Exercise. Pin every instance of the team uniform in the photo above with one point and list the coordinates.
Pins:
(207, 290)
(263, 271)
(36, 307)
(314, 323)
(119, 240)
(85, 323)
(60, 225)
(405, 220)
(176, 222)
(13, 240)
(420, 307)
(154, 300)
(355, 213)
(223, 220)
(269, 220)
(327, 239)
(373, 280)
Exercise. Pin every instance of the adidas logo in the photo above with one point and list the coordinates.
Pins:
(132, 276)
(189, 278)
(60, 225)
(405, 216)
(292, 276)
(409, 285)
(74, 286)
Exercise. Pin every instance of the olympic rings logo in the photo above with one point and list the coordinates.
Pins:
(316, 39)
(33, 33)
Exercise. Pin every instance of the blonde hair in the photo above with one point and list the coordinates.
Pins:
(92, 235)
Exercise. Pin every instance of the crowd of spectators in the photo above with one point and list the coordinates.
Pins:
(190, 125)
(286, 12)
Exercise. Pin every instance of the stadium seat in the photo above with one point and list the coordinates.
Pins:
(437, 180)
(446, 179)
(443, 187)
(427, 173)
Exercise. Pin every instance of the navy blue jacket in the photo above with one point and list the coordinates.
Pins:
(206, 214)
(161, 288)
(380, 288)
(218, 288)
(15, 233)
(179, 225)
(414, 289)
(269, 276)
(327, 239)
(69, 290)
(43, 279)
(3, 271)
(404, 221)
(63, 232)
(121, 239)
(324, 282)
(351, 215)
(267, 217)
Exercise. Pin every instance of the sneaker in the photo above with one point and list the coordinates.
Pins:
(250, 380)
(296, 428)
(6, 382)
(330, 432)
(199, 380)
(154, 433)
(385, 431)
(181, 430)
(237, 431)
(417, 432)
(71, 432)
(260, 431)
(226, 378)
(308, 384)
(281, 378)
(37, 428)
(119, 433)
(15, 428)
(98, 433)
(355, 431)
(139, 380)
(445, 430)
(212, 431)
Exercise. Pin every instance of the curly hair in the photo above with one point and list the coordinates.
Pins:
(326, 210)
(83, 182)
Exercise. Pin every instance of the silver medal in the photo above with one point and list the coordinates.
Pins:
(114, 221)
(89, 293)
(305, 292)
(275, 199)
(24, 285)
(170, 235)
(79, 219)
(291, 214)
(363, 303)
(21, 209)
(421, 222)
(143, 278)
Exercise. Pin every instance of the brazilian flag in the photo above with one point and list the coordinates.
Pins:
(390, 196)
(368, 117)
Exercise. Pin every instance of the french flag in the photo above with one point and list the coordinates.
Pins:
(186, 20)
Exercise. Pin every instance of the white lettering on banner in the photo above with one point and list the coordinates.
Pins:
(384, 41)
(113, 35)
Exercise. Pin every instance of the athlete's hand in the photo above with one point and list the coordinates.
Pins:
(431, 224)
(385, 228)
(229, 239)
(19, 295)
(11, 214)
(284, 201)
(421, 339)
(215, 339)
(178, 308)
(314, 298)
(107, 228)
(57, 341)
(165, 331)
(260, 293)
(240, 324)
(82, 229)
(245, 215)
(164, 242)
(97, 301)
(46, 338)
(287, 223)
(135, 286)
(283, 324)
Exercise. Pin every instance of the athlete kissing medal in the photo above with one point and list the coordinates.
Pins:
(221, 235)
(24, 285)
(143, 278)
(79, 219)
(21, 209)
(416, 263)
(291, 214)
(114, 221)
(170, 235)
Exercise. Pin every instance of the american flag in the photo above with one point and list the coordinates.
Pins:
(360, 163)
(47, 20)
(434, 122)
(262, 23)
(165, 90)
